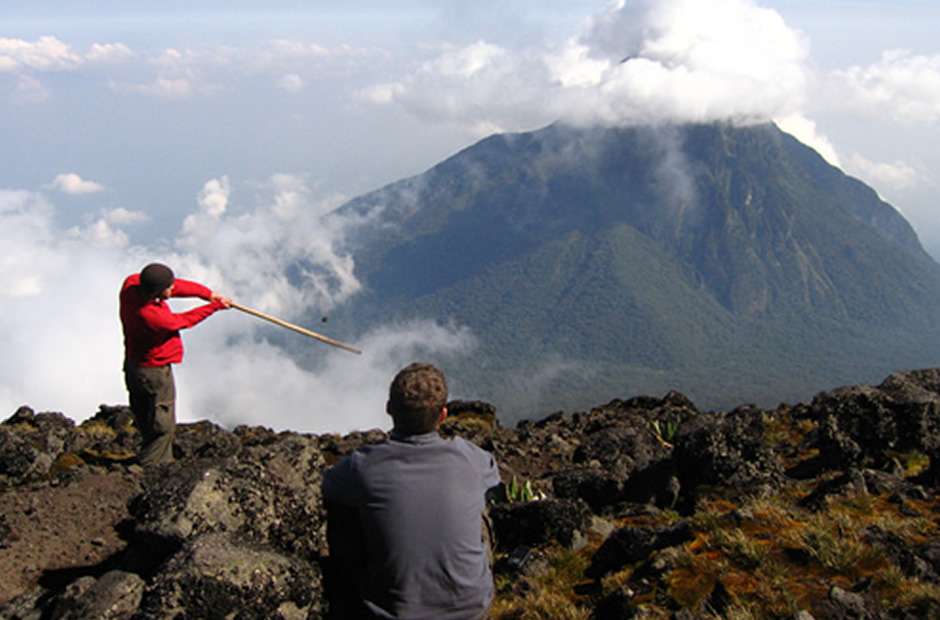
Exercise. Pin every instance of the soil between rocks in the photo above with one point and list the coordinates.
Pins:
(65, 529)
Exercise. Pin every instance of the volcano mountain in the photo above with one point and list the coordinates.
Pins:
(730, 262)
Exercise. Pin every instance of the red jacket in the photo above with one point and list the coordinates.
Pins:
(151, 329)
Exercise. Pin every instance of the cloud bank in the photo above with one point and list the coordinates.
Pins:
(62, 340)
(902, 84)
(644, 61)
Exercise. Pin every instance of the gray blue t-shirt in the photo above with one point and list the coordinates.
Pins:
(420, 500)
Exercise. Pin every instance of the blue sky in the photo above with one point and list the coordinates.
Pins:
(210, 136)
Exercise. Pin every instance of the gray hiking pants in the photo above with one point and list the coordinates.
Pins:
(153, 400)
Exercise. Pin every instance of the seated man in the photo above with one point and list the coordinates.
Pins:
(411, 530)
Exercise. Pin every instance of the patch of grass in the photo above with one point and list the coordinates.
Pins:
(541, 604)
(743, 550)
(549, 593)
(833, 541)
(913, 462)
(896, 589)
(734, 612)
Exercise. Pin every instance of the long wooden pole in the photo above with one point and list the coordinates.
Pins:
(296, 328)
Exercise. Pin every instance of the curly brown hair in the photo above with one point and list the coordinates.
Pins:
(415, 398)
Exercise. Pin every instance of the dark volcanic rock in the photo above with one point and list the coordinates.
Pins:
(30, 444)
(205, 440)
(726, 450)
(621, 448)
(18, 459)
(538, 522)
(266, 493)
(215, 577)
(116, 595)
(592, 486)
(862, 482)
(473, 408)
(860, 425)
(917, 561)
(26, 606)
(335, 447)
(633, 544)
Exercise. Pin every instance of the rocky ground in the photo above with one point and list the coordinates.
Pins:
(645, 508)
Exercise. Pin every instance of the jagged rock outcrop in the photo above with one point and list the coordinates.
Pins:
(844, 488)
(860, 426)
(539, 523)
(31, 443)
(632, 544)
(268, 494)
(727, 450)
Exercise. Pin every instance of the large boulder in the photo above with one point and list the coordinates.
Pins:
(629, 545)
(622, 453)
(205, 440)
(726, 450)
(539, 522)
(267, 493)
(860, 426)
(30, 443)
(214, 576)
(116, 595)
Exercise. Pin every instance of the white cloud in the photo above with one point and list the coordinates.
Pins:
(902, 84)
(71, 183)
(60, 306)
(26, 219)
(291, 83)
(804, 130)
(100, 233)
(346, 392)
(213, 198)
(45, 54)
(638, 62)
(293, 230)
(896, 175)
(109, 53)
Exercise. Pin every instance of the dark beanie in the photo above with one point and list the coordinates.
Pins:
(156, 277)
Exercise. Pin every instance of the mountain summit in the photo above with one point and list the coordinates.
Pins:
(730, 262)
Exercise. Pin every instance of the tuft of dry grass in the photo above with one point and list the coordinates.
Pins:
(549, 593)
(541, 604)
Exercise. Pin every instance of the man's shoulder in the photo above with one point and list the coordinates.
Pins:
(131, 280)
(467, 446)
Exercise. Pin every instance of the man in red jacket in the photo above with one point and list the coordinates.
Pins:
(151, 344)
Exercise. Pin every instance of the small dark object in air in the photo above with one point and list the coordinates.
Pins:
(323, 320)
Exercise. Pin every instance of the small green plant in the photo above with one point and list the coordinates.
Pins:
(665, 432)
(521, 492)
